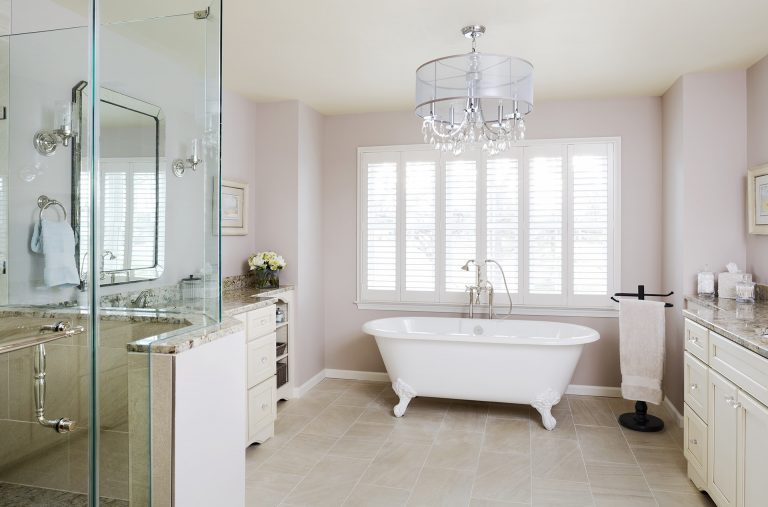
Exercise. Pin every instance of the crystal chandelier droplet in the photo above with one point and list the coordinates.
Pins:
(474, 99)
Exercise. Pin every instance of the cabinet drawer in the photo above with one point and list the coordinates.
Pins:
(695, 384)
(261, 405)
(741, 366)
(261, 359)
(261, 322)
(695, 440)
(697, 340)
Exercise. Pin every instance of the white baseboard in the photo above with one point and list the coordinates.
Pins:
(375, 376)
(672, 409)
(300, 391)
(607, 392)
(371, 376)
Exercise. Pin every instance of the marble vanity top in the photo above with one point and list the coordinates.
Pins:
(741, 323)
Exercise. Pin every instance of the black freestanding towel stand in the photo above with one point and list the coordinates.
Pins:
(640, 420)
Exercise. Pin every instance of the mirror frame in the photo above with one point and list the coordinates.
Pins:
(131, 103)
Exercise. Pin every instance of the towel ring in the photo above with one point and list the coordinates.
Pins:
(43, 202)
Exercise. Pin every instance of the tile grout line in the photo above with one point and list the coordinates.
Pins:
(581, 452)
(287, 495)
(282, 502)
(634, 456)
(482, 446)
(378, 451)
(426, 458)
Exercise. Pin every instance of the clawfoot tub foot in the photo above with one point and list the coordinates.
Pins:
(543, 404)
(405, 393)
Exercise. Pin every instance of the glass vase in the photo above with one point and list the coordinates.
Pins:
(266, 279)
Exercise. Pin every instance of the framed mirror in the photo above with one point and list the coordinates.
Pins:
(132, 186)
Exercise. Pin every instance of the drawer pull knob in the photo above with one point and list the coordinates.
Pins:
(732, 402)
(693, 441)
(694, 387)
(264, 406)
(693, 339)
(264, 359)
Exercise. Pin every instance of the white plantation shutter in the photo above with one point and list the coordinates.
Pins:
(380, 226)
(460, 222)
(115, 216)
(546, 211)
(503, 219)
(545, 223)
(420, 218)
(131, 213)
(591, 218)
(144, 212)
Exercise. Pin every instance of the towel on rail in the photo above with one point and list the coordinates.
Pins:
(641, 343)
(56, 242)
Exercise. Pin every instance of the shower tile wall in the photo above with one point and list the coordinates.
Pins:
(36, 456)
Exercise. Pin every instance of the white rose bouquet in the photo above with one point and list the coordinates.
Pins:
(266, 266)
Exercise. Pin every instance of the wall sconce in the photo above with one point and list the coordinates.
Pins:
(46, 141)
(180, 165)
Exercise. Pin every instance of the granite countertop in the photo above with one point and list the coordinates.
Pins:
(176, 343)
(245, 299)
(201, 329)
(742, 323)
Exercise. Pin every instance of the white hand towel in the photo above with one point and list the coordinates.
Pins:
(641, 341)
(56, 241)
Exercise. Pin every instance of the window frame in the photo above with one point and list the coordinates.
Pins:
(566, 304)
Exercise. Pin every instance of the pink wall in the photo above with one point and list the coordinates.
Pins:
(704, 163)
(757, 154)
(238, 163)
(275, 198)
(310, 261)
(636, 120)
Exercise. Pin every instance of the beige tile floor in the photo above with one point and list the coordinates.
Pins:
(340, 445)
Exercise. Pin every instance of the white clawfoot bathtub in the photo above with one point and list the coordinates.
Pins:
(508, 361)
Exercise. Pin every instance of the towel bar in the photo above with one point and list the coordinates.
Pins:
(43, 202)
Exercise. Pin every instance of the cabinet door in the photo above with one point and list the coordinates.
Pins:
(753, 452)
(723, 443)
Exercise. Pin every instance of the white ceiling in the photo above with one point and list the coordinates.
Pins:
(345, 56)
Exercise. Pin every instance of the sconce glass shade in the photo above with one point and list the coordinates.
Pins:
(63, 116)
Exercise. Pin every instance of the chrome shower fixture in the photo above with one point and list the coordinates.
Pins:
(46, 141)
(61, 425)
(180, 165)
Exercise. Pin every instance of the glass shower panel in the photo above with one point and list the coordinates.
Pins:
(158, 107)
(45, 340)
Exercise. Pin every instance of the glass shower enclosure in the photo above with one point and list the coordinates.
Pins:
(110, 117)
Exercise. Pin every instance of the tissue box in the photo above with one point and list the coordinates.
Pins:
(726, 283)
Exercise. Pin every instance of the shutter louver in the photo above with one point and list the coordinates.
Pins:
(545, 221)
(460, 222)
(502, 221)
(590, 180)
(420, 225)
(381, 226)
(115, 191)
(144, 214)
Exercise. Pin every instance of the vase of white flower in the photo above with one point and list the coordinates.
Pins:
(265, 267)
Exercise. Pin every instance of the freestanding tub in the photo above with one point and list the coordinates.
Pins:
(509, 361)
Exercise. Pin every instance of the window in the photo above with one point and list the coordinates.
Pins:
(131, 208)
(547, 211)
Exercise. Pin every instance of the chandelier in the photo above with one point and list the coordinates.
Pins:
(474, 99)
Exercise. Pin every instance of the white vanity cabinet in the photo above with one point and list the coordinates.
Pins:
(725, 418)
(260, 387)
